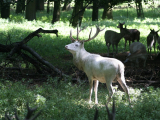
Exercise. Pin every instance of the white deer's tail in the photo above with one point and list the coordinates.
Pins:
(120, 71)
(121, 80)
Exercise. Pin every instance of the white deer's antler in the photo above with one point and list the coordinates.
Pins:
(90, 38)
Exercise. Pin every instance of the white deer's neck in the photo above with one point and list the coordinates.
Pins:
(79, 58)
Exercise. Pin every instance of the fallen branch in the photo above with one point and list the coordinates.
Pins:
(42, 66)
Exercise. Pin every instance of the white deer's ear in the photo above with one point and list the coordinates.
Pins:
(82, 43)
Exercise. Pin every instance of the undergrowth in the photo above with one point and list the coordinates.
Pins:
(65, 100)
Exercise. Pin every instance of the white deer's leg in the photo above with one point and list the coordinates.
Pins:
(110, 90)
(91, 89)
(96, 82)
(122, 82)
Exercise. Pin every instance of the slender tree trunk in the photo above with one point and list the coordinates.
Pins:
(5, 10)
(40, 4)
(77, 15)
(56, 12)
(81, 14)
(107, 12)
(48, 6)
(139, 8)
(95, 10)
(66, 5)
(31, 10)
(20, 7)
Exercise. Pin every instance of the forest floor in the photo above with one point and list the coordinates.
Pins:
(135, 77)
(142, 76)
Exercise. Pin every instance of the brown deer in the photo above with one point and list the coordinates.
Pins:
(134, 34)
(113, 38)
(97, 68)
(152, 38)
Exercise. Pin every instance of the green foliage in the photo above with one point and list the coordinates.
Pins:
(67, 100)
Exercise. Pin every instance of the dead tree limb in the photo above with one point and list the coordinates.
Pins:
(18, 45)
(40, 59)
(38, 62)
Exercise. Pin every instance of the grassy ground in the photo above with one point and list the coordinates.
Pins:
(65, 100)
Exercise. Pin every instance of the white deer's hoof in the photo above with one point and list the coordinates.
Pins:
(90, 101)
(96, 103)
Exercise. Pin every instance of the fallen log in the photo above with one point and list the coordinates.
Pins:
(42, 66)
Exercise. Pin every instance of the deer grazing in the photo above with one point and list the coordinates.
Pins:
(113, 38)
(97, 68)
(137, 51)
(134, 34)
(152, 38)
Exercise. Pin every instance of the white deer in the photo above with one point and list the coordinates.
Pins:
(97, 68)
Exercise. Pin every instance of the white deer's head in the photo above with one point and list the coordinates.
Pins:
(78, 45)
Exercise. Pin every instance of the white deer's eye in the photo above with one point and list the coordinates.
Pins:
(76, 45)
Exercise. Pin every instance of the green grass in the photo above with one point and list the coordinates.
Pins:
(65, 100)
(69, 101)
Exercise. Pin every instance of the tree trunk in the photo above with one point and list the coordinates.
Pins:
(48, 6)
(66, 5)
(31, 10)
(81, 14)
(25, 52)
(56, 12)
(76, 15)
(40, 4)
(139, 8)
(20, 7)
(107, 12)
(5, 10)
(95, 10)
